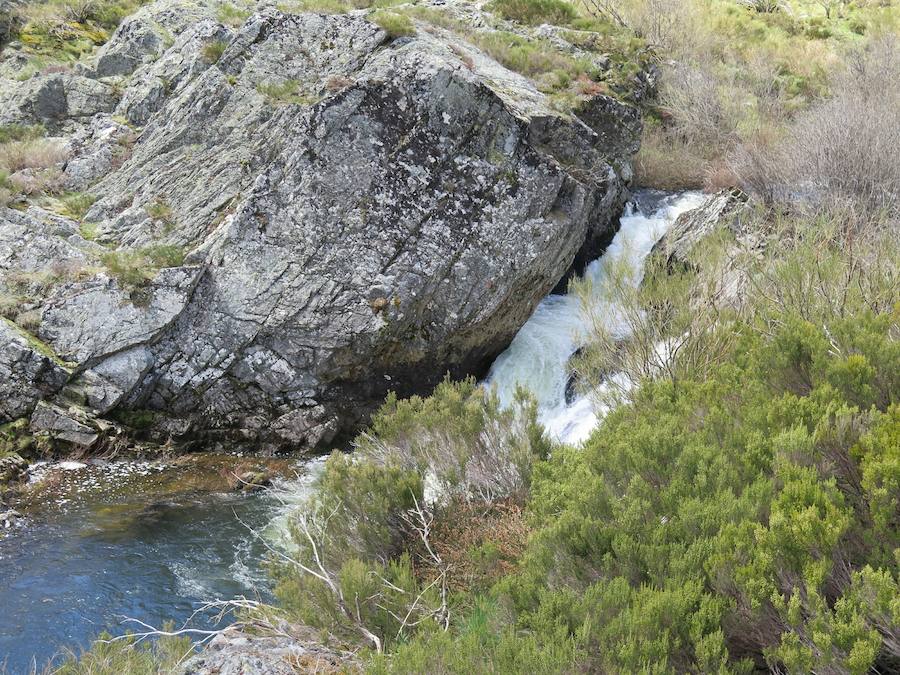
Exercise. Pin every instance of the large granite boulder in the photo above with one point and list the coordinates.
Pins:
(357, 213)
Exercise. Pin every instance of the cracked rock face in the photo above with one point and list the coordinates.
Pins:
(359, 214)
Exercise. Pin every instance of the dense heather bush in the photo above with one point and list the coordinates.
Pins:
(742, 518)
(367, 565)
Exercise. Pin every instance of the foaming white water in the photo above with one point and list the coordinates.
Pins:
(538, 357)
(291, 495)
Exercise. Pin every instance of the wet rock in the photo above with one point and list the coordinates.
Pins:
(253, 481)
(12, 468)
(10, 519)
(720, 210)
(722, 213)
(64, 425)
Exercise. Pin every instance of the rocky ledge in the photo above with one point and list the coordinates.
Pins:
(291, 217)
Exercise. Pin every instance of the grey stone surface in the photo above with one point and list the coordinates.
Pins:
(53, 99)
(63, 425)
(360, 214)
(26, 375)
(146, 35)
(236, 653)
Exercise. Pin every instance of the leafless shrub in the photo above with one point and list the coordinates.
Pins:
(81, 11)
(692, 96)
(671, 324)
(665, 24)
(495, 464)
(843, 150)
(764, 6)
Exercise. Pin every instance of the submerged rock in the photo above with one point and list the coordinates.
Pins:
(357, 213)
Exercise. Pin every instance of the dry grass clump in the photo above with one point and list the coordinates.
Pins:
(30, 167)
(32, 154)
(394, 24)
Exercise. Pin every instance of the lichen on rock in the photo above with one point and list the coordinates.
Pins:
(360, 213)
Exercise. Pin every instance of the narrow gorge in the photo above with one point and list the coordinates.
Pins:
(449, 336)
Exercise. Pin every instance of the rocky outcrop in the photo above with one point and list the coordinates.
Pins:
(236, 653)
(356, 213)
(27, 373)
(722, 215)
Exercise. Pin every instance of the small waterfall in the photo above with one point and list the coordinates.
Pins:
(538, 358)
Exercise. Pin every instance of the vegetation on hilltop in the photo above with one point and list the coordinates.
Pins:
(54, 32)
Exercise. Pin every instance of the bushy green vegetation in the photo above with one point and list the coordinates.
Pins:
(737, 511)
(369, 565)
(738, 517)
(149, 657)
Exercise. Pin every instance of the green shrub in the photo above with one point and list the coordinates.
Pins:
(394, 24)
(150, 657)
(534, 12)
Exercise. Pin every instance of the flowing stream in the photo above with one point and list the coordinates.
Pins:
(151, 541)
(145, 540)
(538, 358)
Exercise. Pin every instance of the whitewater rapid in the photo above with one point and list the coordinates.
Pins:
(538, 357)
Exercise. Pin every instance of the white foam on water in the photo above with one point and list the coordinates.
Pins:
(538, 357)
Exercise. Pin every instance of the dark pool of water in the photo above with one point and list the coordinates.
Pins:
(87, 559)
